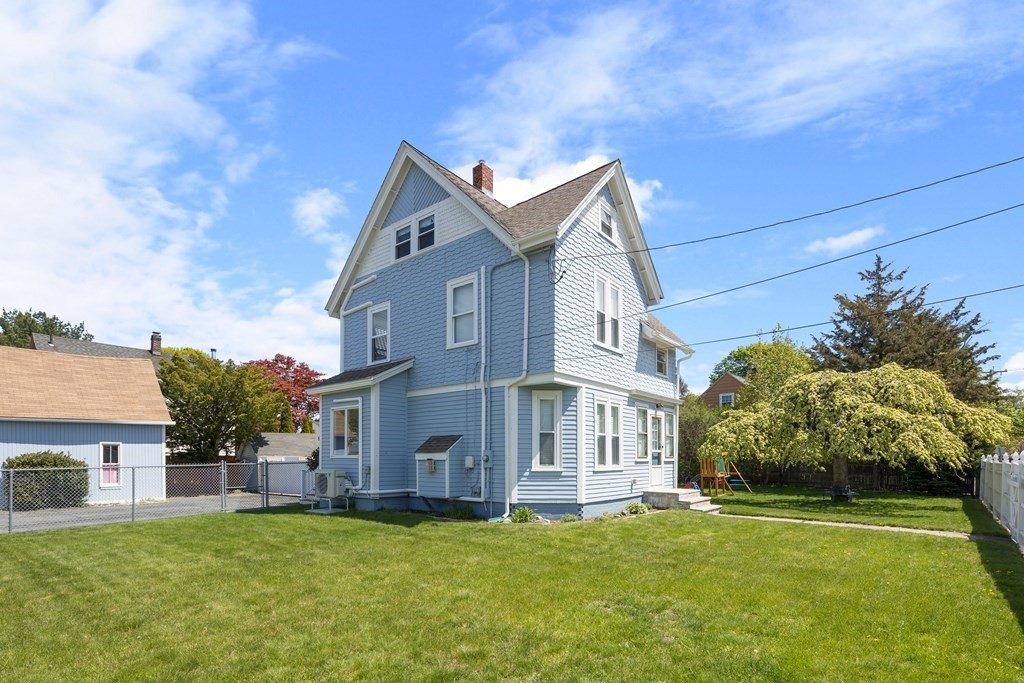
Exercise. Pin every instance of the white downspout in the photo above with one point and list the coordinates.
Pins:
(509, 470)
(483, 379)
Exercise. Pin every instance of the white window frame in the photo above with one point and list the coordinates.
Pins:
(119, 446)
(432, 231)
(604, 208)
(646, 457)
(413, 223)
(450, 319)
(722, 403)
(344, 407)
(670, 436)
(657, 351)
(556, 396)
(386, 307)
(608, 436)
(608, 285)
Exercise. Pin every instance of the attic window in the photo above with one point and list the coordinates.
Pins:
(606, 222)
(403, 242)
(426, 234)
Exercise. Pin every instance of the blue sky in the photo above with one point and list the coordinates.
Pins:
(202, 168)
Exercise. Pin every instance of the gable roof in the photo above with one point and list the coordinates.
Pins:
(66, 387)
(78, 347)
(552, 209)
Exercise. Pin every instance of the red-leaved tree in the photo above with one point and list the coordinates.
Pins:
(292, 378)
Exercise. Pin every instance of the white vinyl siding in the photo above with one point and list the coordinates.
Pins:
(462, 311)
(607, 312)
(547, 430)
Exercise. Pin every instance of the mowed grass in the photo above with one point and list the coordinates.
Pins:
(284, 596)
(882, 508)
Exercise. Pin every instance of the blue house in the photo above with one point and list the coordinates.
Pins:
(500, 356)
(107, 412)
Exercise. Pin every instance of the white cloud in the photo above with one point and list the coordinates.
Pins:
(314, 211)
(846, 242)
(102, 219)
(747, 68)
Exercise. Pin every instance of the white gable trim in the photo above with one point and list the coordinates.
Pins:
(404, 158)
(615, 179)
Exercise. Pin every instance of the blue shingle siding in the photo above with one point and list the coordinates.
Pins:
(417, 290)
(392, 444)
(142, 446)
(349, 465)
(418, 191)
(575, 351)
(536, 486)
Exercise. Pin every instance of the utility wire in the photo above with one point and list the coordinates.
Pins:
(804, 327)
(918, 236)
(805, 217)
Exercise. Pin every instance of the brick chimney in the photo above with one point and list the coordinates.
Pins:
(483, 178)
(154, 344)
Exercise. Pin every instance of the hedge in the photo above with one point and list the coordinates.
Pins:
(67, 488)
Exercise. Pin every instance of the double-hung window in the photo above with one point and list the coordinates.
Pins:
(462, 311)
(726, 400)
(661, 362)
(608, 435)
(379, 332)
(670, 437)
(110, 464)
(426, 233)
(547, 430)
(607, 312)
(345, 432)
(403, 242)
(606, 222)
(642, 442)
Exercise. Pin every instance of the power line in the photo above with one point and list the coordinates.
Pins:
(805, 217)
(918, 236)
(804, 327)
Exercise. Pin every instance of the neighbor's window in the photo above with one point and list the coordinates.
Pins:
(607, 312)
(661, 362)
(462, 311)
(403, 242)
(426, 233)
(641, 434)
(547, 450)
(110, 464)
(606, 222)
(379, 332)
(345, 425)
(726, 400)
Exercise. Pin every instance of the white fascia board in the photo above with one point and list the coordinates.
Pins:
(586, 201)
(538, 239)
(360, 383)
(651, 334)
(64, 420)
(657, 398)
(590, 383)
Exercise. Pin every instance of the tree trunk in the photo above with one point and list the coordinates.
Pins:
(840, 471)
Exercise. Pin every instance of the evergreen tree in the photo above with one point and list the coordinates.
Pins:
(307, 425)
(893, 324)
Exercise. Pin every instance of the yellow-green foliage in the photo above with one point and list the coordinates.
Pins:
(889, 414)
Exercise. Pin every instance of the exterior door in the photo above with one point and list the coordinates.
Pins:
(656, 429)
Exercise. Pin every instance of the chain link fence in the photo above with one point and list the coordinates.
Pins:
(54, 498)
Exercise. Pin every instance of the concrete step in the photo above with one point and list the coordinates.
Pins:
(664, 497)
(692, 502)
(706, 507)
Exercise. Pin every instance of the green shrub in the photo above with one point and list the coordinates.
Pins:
(522, 515)
(460, 511)
(569, 517)
(637, 508)
(34, 490)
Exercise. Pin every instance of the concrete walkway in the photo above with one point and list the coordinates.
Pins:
(875, 527)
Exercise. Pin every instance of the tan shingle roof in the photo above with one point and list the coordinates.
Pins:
(58, 386)
(661, 327)
(546, 210)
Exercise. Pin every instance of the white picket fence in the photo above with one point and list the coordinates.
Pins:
(1000, 489)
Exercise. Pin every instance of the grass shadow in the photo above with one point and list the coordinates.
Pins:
(1001, 558)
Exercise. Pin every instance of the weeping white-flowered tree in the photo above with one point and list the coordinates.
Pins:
(889, 415)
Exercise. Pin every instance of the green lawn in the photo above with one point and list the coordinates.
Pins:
(883, 508)
(283, 596)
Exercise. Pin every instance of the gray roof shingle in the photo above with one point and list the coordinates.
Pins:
(439, 444)
(78, 347)
(361, 373)
(661, 327)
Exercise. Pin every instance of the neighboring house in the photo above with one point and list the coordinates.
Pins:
(724, 391)
(500, 356)
(48, 342)
(108, 412)
(279, 447)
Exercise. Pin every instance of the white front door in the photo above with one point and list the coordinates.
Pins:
(656, 429)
